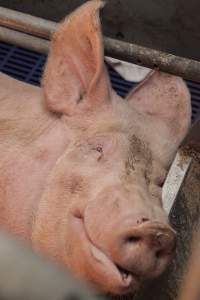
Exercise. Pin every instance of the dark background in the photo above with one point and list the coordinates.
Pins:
(169, 25)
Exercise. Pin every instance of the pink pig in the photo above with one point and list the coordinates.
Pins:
(82, 169)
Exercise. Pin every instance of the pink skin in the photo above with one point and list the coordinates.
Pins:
(82, 169)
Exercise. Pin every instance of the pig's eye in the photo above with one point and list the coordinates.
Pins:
(99, 149)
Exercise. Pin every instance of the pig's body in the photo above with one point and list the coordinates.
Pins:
(82, 169)
(31, 141)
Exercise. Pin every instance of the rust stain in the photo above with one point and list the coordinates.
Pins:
(191, 151)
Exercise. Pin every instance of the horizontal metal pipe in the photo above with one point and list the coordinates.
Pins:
(186, 68)
(26, 23)
(169, 63)
(24, 40)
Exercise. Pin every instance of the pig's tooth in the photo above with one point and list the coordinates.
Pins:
(124, 275)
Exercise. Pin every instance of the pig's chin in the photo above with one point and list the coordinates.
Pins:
(125, 281)
(99, 268)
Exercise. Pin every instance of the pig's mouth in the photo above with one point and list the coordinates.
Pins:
(126, 281)
(103, 272)
(125, 274)
(118, 274)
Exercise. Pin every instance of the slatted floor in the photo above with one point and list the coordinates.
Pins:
(27, 66)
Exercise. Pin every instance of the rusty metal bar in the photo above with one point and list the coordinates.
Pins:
(174, 181)
(166, 62)
(186, 68)
(187, 153)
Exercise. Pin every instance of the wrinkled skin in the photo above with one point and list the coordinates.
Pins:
(82, 169)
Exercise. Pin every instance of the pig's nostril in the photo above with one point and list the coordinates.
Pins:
(133, 239)
(160, 253)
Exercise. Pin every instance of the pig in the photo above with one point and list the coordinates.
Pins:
(82, 169)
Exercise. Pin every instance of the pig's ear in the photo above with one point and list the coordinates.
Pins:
(164, 98)
(75, 69)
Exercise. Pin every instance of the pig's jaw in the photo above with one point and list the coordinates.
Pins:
(103, 272)
(124, 279)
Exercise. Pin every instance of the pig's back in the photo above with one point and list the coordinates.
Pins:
(22, 111)
(31, 141)
(17, 96)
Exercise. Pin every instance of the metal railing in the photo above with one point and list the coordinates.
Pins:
(34, 33)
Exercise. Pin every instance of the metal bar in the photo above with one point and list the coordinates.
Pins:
(187, 153)
(24, 40)
(186, 68)
(174, 181)
(166, 62)
(26, 23)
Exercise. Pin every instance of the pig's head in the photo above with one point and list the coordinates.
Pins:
(101, 214)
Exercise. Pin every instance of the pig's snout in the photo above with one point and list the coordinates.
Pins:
(137, 240)
(144, 250)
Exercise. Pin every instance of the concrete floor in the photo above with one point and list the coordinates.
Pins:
(170, 25)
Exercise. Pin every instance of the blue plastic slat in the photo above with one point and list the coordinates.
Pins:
(21, 56)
